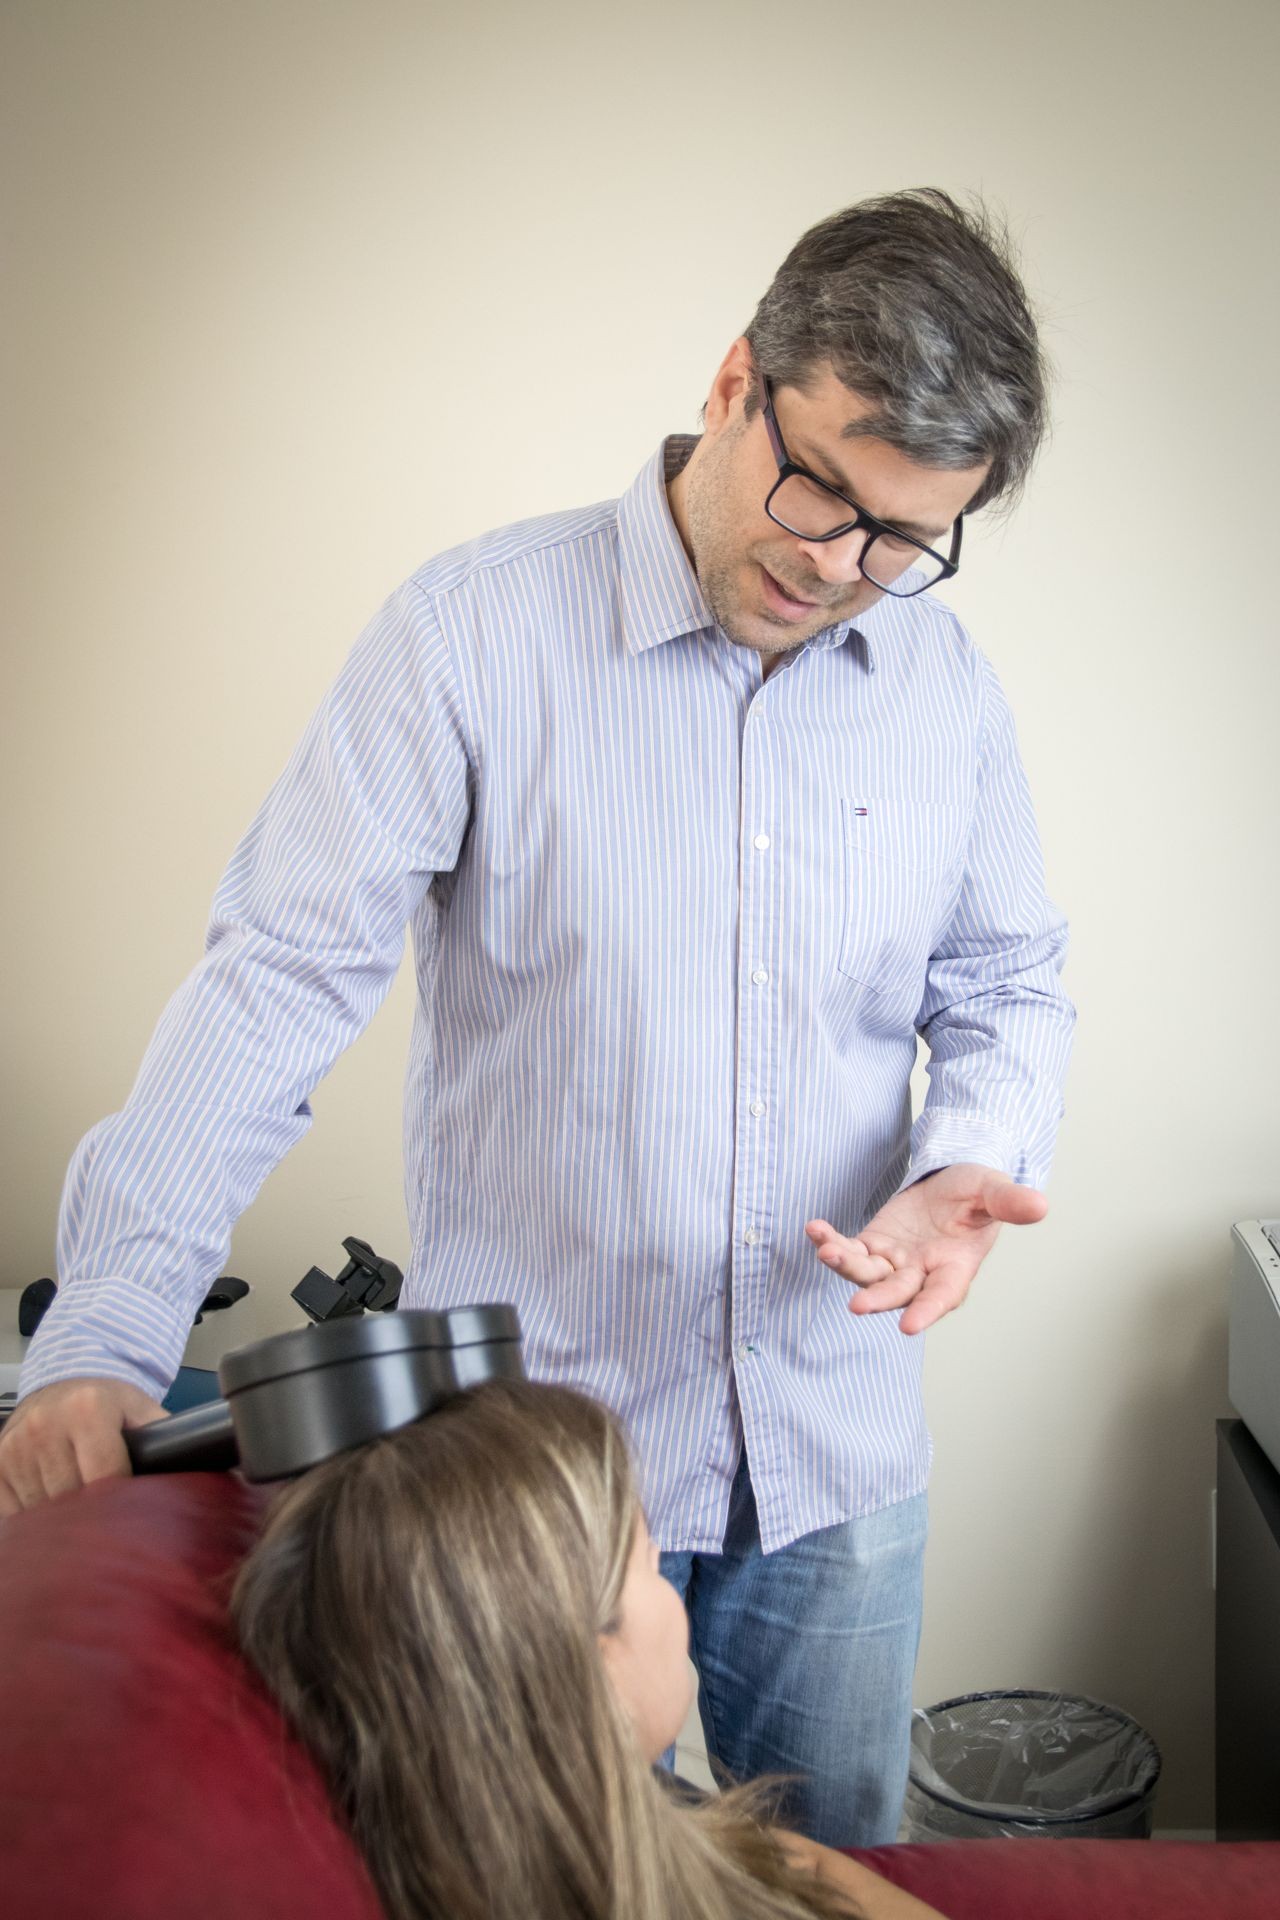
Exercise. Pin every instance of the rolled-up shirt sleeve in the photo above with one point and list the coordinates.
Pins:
(304, 939)
(995, 1017)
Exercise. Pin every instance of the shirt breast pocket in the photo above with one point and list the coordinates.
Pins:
(901, 864)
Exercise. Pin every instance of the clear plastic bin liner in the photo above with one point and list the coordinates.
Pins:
(1023, 1763)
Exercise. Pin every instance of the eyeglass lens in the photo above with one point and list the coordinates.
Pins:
(808, 510)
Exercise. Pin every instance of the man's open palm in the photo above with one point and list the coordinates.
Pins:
(925, 1245)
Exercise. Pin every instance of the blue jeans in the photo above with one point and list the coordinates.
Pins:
(805, 1659)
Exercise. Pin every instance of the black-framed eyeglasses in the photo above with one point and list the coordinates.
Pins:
(804, 505)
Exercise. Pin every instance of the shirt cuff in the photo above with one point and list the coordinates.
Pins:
(107, 1330)
(940, 1139)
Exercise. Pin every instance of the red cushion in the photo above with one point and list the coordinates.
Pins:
(143, 1775)
(1087, 1879)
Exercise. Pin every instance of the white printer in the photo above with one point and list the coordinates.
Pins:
(1253, 1337)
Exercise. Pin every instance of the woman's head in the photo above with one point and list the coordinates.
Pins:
(477, 1592)
(466, 1624)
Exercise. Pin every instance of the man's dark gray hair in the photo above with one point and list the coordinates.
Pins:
(916, 304)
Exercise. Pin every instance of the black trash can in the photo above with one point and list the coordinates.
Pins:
(1031, 1765)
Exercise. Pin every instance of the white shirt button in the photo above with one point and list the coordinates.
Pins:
(741, 1350)
(760, 977)
(757, 1108)
(751, 1236)
(761, 840)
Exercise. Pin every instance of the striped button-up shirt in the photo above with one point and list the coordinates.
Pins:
(676, 927)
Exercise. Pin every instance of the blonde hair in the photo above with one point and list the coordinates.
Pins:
(426, 1610)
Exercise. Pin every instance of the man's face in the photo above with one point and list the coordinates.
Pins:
(770, 589)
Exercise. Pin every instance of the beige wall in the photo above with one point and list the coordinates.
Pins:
(300, 293)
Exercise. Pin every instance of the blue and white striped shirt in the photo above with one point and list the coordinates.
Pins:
(676, 927)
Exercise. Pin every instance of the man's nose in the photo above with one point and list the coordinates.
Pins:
(839, 562)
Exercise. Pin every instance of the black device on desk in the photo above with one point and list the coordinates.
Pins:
(193, 1385)
(188, 1389)
(367, 1283)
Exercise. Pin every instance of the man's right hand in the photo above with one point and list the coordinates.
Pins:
(64, 1435)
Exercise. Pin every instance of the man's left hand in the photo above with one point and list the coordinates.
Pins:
(925, 1245)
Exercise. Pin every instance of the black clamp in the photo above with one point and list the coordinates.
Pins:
(366, 1284)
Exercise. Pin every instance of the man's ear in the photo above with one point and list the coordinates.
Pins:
(734, 380)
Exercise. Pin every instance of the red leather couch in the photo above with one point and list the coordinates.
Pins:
(144, 1775)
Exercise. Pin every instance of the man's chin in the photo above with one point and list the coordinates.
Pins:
(767, 636)
(764, 634)
(766, 640)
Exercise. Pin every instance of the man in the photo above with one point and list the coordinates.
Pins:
(700, 808)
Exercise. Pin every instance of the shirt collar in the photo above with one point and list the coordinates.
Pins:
(661, 597)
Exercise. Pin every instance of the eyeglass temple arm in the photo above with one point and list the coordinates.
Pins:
(780, 453)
